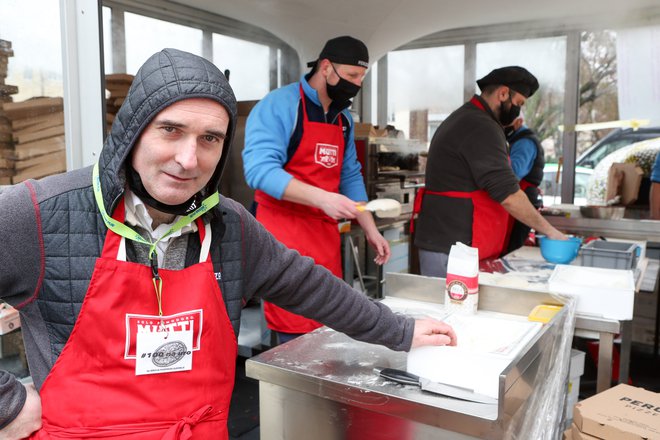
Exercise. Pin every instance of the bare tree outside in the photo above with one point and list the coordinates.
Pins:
(598, 84)
(598, 96)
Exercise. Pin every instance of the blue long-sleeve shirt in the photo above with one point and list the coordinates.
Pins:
(655, 171)
(268, 132)
(523, 153)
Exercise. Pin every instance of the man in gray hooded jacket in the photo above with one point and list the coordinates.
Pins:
(130, 276)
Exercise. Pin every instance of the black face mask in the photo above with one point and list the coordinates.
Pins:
(510, 115)
(342, 91)
(136, 185)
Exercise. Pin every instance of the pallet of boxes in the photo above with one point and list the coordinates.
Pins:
(31, 132)
(116, 86)
(6, 90)
(38, 147)
(622, 412)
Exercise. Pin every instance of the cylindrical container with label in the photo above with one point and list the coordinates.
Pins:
(462, 284)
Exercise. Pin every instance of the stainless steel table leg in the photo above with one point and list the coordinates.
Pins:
(624, 358)
(604, 374)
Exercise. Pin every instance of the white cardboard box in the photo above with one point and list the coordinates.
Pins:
(9, 319)
(606, 293)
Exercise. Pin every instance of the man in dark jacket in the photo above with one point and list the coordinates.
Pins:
(130, 275)
(470, 187)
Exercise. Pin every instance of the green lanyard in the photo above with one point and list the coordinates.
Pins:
(126, 232)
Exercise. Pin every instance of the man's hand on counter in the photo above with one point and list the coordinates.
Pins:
(432, 332)
(28, 420)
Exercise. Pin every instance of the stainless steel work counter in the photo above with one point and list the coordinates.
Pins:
(323, 385)
(632, 229)
(629, 229)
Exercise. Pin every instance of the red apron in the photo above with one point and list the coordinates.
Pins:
(491, 223)
(93, 391)
(317, 162)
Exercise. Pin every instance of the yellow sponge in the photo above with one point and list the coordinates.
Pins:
(543, 313)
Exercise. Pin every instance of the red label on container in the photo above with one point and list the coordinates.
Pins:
(459, 287)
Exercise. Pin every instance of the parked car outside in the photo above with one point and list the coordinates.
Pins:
(641, 154)
(615, 140)
(551, 190)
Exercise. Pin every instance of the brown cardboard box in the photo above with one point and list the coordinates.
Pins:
(567, 435)
(363, 130)
(243, 108)
(579, 435)
(624, 179)
(620, 413)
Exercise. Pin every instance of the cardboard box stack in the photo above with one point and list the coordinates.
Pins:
(363, 130)
(117, 85)
(6, 90)
(622, 412)
(38, 139)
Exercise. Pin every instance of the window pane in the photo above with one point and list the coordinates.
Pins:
(107, 40)
(31, 134)
(619, 74)
(248, 64)
(546, 59)
(36, 67)
(543, 112)
(424, 86)
(146, 36)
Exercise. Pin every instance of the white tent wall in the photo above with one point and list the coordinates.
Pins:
(299, 29)
(638, 69)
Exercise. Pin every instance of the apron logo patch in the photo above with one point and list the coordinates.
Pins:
(185, 321)
(327, 155)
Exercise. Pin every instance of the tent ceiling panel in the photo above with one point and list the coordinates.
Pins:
(385, 25)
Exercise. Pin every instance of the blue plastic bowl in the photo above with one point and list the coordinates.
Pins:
(559, 251)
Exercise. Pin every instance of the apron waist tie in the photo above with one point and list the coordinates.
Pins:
(180, 430)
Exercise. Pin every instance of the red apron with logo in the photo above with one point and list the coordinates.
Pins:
(491, 223)
(317, 162)
(93, 391)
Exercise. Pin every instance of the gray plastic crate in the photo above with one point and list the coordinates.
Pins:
(610, 254)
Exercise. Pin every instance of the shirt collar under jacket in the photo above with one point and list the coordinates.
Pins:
(137, 215)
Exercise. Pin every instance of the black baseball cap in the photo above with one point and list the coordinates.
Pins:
(344, 50)
(515, 77)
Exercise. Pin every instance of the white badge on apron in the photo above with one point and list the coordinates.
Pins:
(164, 352)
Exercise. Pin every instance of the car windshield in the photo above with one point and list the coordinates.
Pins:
(613, 142)
(594, 157)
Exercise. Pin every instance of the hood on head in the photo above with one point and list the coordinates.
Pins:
(168, 76)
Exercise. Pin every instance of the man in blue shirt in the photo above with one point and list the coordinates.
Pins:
(527, 162)
(654, 196)
(300, 157)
